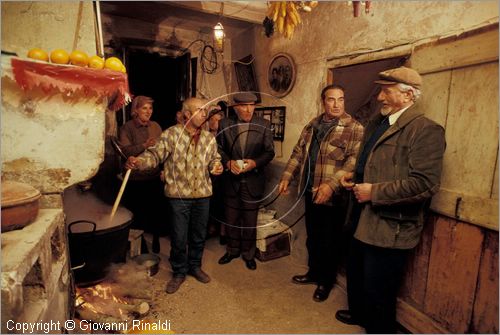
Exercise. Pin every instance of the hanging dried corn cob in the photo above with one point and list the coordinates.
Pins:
(285, 14)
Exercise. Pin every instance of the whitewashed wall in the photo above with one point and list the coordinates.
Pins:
(49, 141)
(330, 30)
(48, 25)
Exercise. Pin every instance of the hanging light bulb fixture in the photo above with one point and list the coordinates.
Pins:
(219, 37)
(219, 34)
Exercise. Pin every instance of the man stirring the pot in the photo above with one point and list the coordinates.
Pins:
(188, 153)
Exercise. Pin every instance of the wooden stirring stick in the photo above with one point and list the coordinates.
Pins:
(119, 196)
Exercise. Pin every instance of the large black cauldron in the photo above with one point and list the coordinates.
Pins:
(92, 251)
(95, 241)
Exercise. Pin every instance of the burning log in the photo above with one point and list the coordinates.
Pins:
(132, 292)
(140, 309)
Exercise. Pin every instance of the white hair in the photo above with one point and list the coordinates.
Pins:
(405, 88)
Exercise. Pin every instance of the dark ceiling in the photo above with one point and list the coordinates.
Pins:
(174, 14)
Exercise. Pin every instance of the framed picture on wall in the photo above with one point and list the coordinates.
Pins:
(245, 75)
(281, 75)
(276, 116)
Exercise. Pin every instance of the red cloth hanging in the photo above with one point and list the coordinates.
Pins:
(68, 79)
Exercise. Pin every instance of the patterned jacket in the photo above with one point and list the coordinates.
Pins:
(336, 156)
(187, 163)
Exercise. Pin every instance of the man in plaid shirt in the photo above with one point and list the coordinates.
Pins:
(326, 150)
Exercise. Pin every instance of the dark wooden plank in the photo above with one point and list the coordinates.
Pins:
(417, 322)
(413, 289)
(453, 271)
(485, 316)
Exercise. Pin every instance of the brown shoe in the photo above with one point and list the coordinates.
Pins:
(200, 275)
(174, 284)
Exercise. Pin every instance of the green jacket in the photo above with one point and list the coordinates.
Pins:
(404, 167)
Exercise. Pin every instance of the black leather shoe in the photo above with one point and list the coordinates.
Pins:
(304, 279)
(346, 317)
(251, 265)
(227, 258)
(321, 293)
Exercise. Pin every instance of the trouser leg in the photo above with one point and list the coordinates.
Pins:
(312, 236)
(197, 231)
(250, 207)
(354, 276)
(384, 270)
(233, 231)
(180, 210)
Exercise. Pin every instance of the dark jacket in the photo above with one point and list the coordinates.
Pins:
(404, 167)
(259, 147)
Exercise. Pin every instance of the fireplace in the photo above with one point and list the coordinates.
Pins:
(53, 132)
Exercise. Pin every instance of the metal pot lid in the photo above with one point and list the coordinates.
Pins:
(15, 193)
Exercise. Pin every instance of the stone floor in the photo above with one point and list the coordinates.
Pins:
(238, 300)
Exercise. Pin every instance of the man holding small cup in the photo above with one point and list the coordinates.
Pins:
(246, 147)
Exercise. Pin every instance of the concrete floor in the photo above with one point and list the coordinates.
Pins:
(238, 300)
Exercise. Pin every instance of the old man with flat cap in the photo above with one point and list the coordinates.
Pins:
(397, 172)
(246, 147)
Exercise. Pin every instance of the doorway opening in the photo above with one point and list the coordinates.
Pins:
(358, 81)
(163, 78)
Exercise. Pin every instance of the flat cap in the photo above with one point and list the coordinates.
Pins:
(242, 98)
(402, 74)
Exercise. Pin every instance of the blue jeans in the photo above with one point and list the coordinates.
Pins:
(189, 229)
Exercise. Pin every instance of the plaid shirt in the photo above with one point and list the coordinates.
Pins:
(336, 156)
(187, 162)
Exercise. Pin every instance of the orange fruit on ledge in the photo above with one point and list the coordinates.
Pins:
(115, 64)
(79, 58)
(59, 56)
(39, 54)
(96, 62)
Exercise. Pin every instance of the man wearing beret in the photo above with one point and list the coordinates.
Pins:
(246, 147)
(397, 172)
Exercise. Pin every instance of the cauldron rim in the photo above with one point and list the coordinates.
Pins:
(97, 230)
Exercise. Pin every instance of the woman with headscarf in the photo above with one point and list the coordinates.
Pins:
(144, 191)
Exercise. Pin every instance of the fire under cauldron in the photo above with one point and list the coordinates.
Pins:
(95, 241)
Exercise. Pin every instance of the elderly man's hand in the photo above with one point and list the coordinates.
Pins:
(322, 194)
(283, 187)
(217, 169)
(363, 192)
(131, 163)
(249, 164)
(347, 181)
(233, 167)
